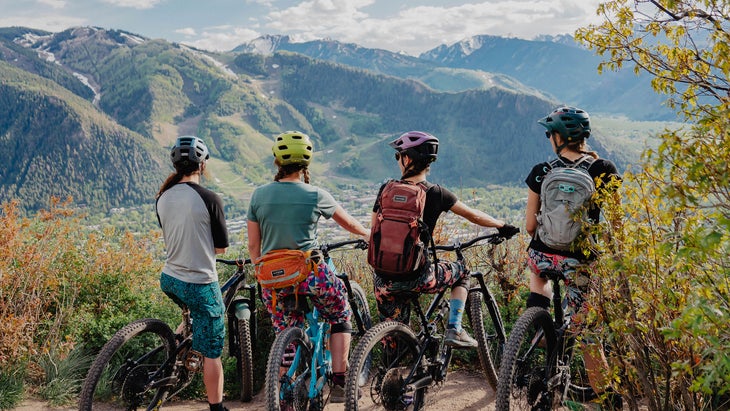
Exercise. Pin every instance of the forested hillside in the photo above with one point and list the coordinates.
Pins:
(151, 91)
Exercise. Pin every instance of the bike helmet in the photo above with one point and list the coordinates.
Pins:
(189, 148)
(417, 145)
(572, 123)
(293, 147)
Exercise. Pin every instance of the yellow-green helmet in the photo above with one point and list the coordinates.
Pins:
(293, 147)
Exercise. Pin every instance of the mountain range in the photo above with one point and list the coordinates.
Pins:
(90, 112)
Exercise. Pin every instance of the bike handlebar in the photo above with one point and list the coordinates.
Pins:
(239, 262)
(494, 239)
(359, 244)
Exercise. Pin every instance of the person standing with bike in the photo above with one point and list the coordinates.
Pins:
(284, 215)
(567, 129)
(194, 229)
(415, 151)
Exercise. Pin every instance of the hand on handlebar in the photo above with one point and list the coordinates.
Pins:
(507, 231)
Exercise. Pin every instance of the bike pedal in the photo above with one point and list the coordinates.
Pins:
(193, 361)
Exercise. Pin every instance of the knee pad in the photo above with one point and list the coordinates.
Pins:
(345, 327)
(538, 300)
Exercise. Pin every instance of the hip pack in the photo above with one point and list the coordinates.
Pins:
(564, 200)
(279, 269)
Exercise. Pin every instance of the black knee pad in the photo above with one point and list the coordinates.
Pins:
(538, 300)
(345, 327)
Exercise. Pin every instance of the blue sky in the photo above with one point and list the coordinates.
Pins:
(411, 26)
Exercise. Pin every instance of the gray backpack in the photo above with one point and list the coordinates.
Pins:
(564, 200)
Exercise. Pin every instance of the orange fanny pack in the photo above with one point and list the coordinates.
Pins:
(283, 268)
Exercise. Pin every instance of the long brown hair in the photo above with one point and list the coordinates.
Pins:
(181, 170)
(580, 146)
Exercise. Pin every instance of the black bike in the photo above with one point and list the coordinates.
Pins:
(404, 363)
(145, 363)
(540, 368)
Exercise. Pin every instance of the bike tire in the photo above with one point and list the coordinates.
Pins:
(292, 394)
(522, 373)
(126, 363)
(486, 324)
(363, 309)
(393, 349)
(244, 359)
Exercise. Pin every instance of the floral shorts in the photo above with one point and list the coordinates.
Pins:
(325, 290)
(389, 294)
(206, 309)
(577, 276)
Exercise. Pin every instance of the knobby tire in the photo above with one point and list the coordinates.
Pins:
(293, 393)
(522, 376)
(124, 365)
(244, 359)
(482, 314)
(392, 348)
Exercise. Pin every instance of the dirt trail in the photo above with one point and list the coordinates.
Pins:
(463, 391)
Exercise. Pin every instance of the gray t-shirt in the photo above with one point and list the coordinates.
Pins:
(193, 225)
(287, 214)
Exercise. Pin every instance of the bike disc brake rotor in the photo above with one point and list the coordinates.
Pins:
(391, 390)
(133, 384)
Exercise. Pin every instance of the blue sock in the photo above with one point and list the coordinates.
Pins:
(456, 311)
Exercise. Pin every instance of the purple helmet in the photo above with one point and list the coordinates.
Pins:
(418, 145)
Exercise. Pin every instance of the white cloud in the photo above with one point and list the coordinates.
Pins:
(187, 31)
(56, 4)
(223, 38)
(417, 29)
(54, 23)
(134, 4)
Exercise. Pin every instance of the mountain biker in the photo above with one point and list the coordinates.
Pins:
(567, 129)
(284, 214)
(415, 151)
(194, 229)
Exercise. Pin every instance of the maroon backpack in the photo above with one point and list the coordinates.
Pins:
(399, 239)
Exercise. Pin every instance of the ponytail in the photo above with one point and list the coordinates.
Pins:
(182, 169)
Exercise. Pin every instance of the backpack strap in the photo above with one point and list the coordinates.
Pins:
(584, 162)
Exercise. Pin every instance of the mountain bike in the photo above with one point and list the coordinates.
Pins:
(300, 363)
(145, 363)
(540, 368)
(404, 363)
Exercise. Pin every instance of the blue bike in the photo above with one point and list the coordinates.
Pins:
(299, 369)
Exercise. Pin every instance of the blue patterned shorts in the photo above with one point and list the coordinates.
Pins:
(206, 309)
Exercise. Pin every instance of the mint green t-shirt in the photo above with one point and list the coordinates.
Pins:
(287, 214)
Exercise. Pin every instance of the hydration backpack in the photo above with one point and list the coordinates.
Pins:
(564, 200)
(399, 240)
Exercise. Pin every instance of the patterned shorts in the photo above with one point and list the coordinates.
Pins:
(325, 290)
(206, 309)
(577, 276)
(389, 294)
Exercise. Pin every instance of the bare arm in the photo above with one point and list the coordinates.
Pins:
(349, 223)
(220, 250)
(533, 206)
(476, 216)
(254, 239)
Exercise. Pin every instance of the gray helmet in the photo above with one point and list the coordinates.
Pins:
(572, 123)
(189, 148)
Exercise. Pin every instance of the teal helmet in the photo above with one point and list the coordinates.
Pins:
(572, 123)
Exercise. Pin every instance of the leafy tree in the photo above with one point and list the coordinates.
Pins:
(666, 291)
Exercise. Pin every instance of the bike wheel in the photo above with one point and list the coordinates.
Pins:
(486, 324)
(523, 370)
(129, 368)
(244, 357)
(363, 310)
(579, 388)
(393, 349)
(288, 373)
